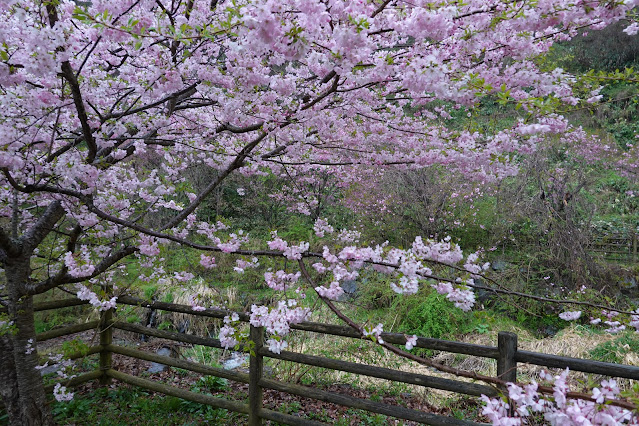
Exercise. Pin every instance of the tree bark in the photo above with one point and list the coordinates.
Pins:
(21, 385)
(8, 378)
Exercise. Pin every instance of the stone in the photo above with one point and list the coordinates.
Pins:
(550, 330)
(157, 367)
(483, 296)
(50, 369)
(628, 286)
(350, 287)
(236, 360)
(499, 265)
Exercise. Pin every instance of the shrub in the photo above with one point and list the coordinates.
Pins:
(434, 316)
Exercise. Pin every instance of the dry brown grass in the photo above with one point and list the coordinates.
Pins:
(570, 342)
(203, 295)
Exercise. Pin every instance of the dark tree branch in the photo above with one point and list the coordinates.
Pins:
(29, 189)
(87, 201)
(228, 127)
(236, 164)
(64, 278)
(8, 246)
(189, 89)
(86, 58)
(326, 93)
(87, 133)
(62, 150)
(381, 8)
(328, 77)
(38, 232)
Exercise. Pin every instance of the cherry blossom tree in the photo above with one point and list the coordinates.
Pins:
(106, 104)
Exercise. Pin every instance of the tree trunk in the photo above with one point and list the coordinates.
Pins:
(21, 385)
(8, 378)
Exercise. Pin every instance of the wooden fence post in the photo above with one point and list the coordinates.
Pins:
(506, 364)
(256, 365)
(106, 338)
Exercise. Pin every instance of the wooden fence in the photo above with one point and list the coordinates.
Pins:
(617, 247)
(505, 353)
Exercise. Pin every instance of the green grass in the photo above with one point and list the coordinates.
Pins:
(614, 350)
(127, 406)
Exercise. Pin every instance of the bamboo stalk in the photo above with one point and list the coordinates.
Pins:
(106, 338)
(577, 364)
(287, 419)
(255, 374)
(58, 304)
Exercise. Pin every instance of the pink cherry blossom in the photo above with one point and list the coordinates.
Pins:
(570, 315)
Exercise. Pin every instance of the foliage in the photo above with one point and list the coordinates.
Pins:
(615, 349)
(431, 315)
(125, 406)
(48, 320)
(608, 49)
(74, 346)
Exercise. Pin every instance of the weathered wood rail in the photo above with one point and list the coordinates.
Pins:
(617, 246)
(505, 353)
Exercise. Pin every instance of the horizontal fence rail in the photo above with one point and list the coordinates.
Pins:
(505, 353)
(483, 351)
(383, 373)
(616, 246)
(363, 404)
(330, 329)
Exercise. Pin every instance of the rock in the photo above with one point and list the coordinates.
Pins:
(500, 265)
(483, 296)
(268, 371)
(156, 367)
(183, 326)
(628, 286)
(236, 360)
(50, 369)
(550, 330)
(349, 287)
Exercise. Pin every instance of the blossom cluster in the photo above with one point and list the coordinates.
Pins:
(558, 409)
(277, 320)
(228, 333)
(570, 315)
(321, 228)
(84, 293)
(79, 265)
(292, 252)
(376, 334)
(280, 280)
(60, 393)
(241, 264)
(62, 368)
